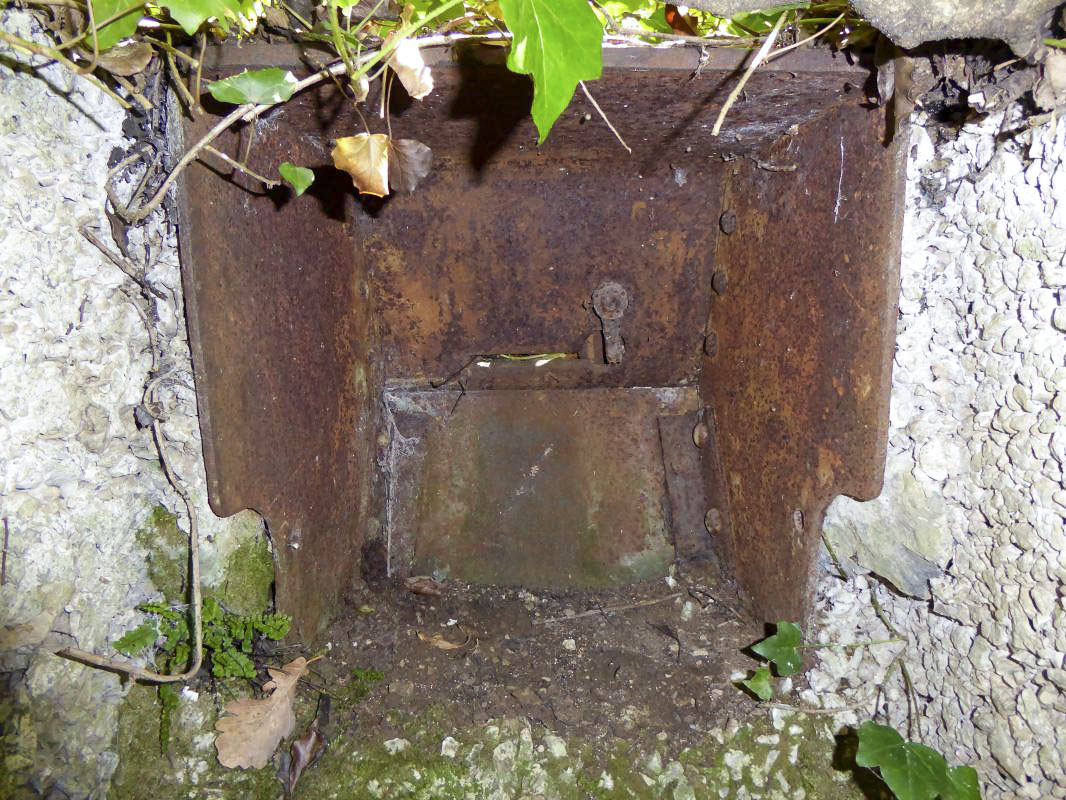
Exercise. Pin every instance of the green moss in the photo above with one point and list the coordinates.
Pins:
(168, 551)
(191, 770)
(249, 578)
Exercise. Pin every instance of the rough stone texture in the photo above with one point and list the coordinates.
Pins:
(975, 461)
(909, 23)
(77, 478)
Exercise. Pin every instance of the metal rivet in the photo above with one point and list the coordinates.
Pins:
(713, 521)
(710, 344)
(700, 434)
(719, 281)
(727, 222)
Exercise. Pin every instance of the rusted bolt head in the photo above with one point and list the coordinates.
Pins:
(713, 521)
(700, 434)
(710, 344)
(719, 281)
(727, 222)
(610, 300)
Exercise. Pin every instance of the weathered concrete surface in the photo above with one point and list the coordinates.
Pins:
(909, 23)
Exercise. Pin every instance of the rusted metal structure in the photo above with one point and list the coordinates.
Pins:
(720, 314)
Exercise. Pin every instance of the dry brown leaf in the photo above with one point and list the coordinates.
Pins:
(307, 749)
(276, 17)
(252, 729)
(423, 584)
(365, 157)
(409, 163)
(406, 61)
(438, 640)
(125, 59)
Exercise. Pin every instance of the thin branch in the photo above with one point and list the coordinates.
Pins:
(241, 167)
(608, 609)
(143, 101)
(810, 38)
(599, 110)
(139, 673)
(755, 62)
(55, 55)
(196, 91)
(250, 111)
(127, 267)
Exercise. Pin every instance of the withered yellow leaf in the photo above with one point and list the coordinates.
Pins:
(406, 61)
(437, 640)
(365, 157)
(252, 729)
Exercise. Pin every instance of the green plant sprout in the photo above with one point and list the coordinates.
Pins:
(228, 640)
(911, 770)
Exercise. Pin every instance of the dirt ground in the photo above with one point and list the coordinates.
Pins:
(642, 664)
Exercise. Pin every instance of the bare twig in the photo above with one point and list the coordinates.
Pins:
(142, 101)
(179, 84)
(599, 110)
(250, 111)
(139, 673)
(3, 564)
(608, 609)
(127, 267)
(755, 62)
(241, 167)
(810, 38)
(196, 93)
(58, 57)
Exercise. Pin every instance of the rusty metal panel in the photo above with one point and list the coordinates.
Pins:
(531, 487)
(300, 308)
(802, 330)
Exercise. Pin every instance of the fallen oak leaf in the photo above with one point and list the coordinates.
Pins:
(423, 584)
(406, 61)
(437, 640)
(252, 729)
(365, 157)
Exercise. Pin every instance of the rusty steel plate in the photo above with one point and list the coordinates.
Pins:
(802, 328)
(537, 488)
(301, 309)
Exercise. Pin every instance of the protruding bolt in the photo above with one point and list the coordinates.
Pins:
(710, 344)
(713, 521)
(727, 222)
(700, 434)
(719, 281)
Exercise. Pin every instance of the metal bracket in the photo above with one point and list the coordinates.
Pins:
(610, 302)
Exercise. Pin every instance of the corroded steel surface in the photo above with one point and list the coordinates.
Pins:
(805, 328)
(301, 308)
(537, 488)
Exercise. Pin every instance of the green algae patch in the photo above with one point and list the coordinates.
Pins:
(167, 549)
(248, 582)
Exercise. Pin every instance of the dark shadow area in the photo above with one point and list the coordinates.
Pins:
(847, 745)
(498, 99)
(24, 69)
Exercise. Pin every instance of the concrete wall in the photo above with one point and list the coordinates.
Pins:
(972, 522)
(78, 479)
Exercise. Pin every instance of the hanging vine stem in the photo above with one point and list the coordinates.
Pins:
(250, 111)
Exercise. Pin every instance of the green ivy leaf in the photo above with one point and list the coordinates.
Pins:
(781, 649)
(191, 14)
(138, 639)
(558, 42)
(911, 770)
(297, 177)
(961, 784)
(759, 683)
(423, 8)
(110, 34)
(271, 85)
